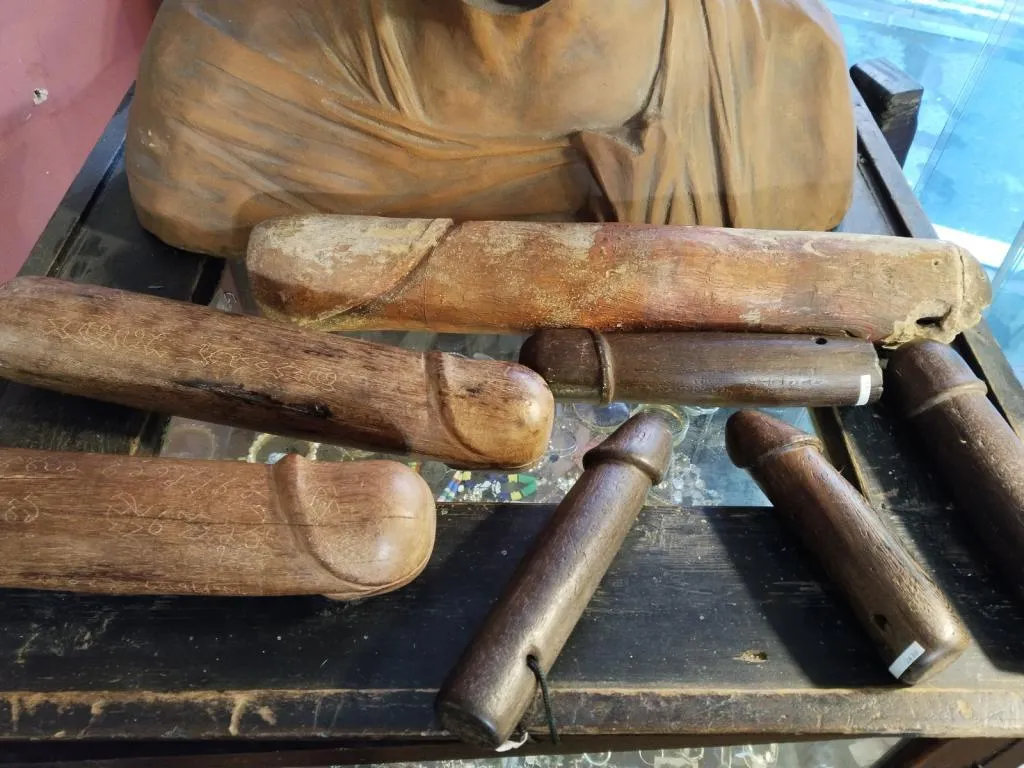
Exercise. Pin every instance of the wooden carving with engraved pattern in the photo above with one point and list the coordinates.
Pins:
(124, 525)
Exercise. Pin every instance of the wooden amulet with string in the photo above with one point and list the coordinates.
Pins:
(487, 694)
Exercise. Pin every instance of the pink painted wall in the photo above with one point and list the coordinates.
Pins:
(85, 53)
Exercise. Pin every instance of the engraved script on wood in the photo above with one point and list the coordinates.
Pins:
(126, 525)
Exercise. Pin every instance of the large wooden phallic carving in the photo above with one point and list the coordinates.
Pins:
(715, 112)
(180, 358)
(131, 526)
(364, 272)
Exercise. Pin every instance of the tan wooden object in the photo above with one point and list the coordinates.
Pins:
(350, 272)
(716, 112)
(249, 372)
(126, 525)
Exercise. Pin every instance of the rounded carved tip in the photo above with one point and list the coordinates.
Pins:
(369, 524)
(922, 370)
(751, 435)
(501, 412)
(311, 267)
(977, 290)
(471, 727)
(644, 441)
(568, 360)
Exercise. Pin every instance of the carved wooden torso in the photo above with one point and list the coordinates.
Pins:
(668, 111)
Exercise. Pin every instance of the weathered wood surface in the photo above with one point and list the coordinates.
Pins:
(124, 525)
(708, 621)
(980, 458)
(906, 615)
(884, 203)
(487, 694)
(705, 369)
(737, 585)
(351, 272)
(249, 372)
(894, 99)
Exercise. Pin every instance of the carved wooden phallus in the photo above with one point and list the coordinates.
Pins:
(907, 616)
(361, 272)
(715, 112)
(492, 685)
(194, 361)
(975, 451)
(705, 369)
(125, 525)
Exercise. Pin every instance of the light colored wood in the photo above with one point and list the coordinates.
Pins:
(350, 272)
(715, 112)
(194, 361)
(127, 525)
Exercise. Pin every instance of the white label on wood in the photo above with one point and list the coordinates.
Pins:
(865, 389)
(910, 654)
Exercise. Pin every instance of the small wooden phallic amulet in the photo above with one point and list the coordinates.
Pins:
(487, 694)
(187, 360)
(976, 452)
(902, 609)
(707, 369)
(130, 526)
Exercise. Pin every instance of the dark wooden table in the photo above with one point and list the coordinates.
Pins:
(712, 626)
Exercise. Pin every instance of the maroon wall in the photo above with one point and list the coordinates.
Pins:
(85, 53)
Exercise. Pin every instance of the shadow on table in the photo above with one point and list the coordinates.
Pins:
(802, 616)
(920, 509)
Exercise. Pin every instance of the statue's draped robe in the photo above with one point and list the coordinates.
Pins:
(716, 112)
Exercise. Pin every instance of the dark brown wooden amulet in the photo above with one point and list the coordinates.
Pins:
(707, 369)
(976, 452)
(489, 691)
(907, 616)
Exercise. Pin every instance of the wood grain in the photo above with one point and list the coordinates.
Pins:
(716, 586)
(351, 272)
(194, 361)
(906, 615)
(130, 526)
(706, 369)
(492, 686)
(979, 457)
(662, 111)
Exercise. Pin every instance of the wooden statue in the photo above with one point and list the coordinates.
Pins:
(904, 612)
(716, 112)
(705, 369)
(355, 272)
(131, 526)
(490, 689)
(194, 361)
(975, 451)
